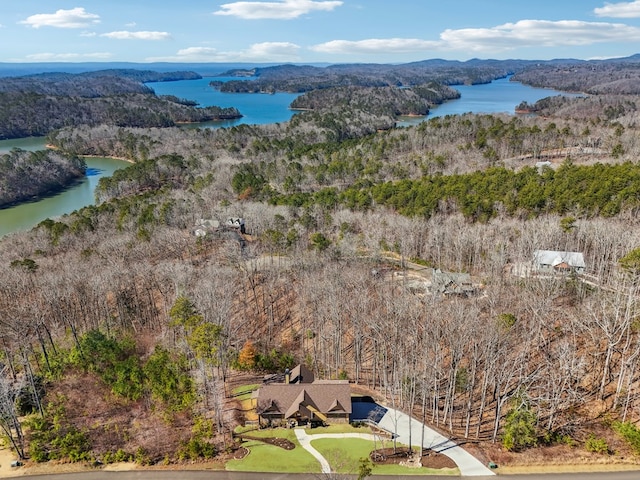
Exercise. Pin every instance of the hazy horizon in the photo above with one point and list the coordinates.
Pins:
(316, 31)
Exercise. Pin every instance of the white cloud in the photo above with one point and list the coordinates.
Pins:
(537, 33)
(376, 46)
(280, 10)
(190, 54)
(89, 34)
(259, 52)
(130, 25)
(74, 18)
(272, 50)
(619, 10)
(125, 35)
(525, 33)
(68, 57)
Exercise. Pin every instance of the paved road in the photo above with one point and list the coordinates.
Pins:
(211, 475)
(393, 421)
(401, 424)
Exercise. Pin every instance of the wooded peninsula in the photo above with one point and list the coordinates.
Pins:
(411, 261)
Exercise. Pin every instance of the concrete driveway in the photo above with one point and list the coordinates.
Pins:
(399, 423)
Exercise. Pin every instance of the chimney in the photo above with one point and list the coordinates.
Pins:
(287, 376)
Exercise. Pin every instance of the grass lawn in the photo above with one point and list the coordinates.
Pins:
(288, 433)
(344, 457)
(269, 458)
(337, 428)
(243, 392)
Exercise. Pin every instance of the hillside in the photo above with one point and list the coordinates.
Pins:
(38, 104)
(379, 101)
(91, 84)
(614, 77)
(303, 78)
(25, 175)
(347, 222)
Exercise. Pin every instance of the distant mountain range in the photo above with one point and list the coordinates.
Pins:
(204, 69)
(212, 69)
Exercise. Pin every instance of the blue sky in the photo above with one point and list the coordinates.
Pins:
(305, 31)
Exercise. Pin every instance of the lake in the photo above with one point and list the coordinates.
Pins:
(256, 108)
(30, 144)
(27, 215)
(498, 96)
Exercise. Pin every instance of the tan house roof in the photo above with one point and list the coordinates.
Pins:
(288, 399)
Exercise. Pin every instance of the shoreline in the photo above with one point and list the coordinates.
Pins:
(122, 159)
(52, 192)
(217, 119)
(48, 193)
(128, 160)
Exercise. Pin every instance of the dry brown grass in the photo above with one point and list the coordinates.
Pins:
(113, 424)
(558, 458)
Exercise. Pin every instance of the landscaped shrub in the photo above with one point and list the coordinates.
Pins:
(115, 457)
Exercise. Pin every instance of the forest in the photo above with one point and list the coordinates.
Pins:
(91, 84)
(347, 216)
(304, 78)
(25, 175)
(38, 104)
(597, 77)
(391, 102)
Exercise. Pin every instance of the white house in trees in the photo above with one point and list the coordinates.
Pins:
(551, 261)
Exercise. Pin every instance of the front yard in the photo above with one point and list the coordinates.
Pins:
(344, 457)
(278, 449)
(343, 454)
(264, 457)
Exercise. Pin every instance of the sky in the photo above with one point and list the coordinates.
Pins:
(315, 31)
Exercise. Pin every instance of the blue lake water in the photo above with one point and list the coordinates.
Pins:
(498, 96)
(256, 108)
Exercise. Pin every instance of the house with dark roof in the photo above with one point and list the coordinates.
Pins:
(450, 283)
(237, 223)
(302, 399)
(298, 374)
